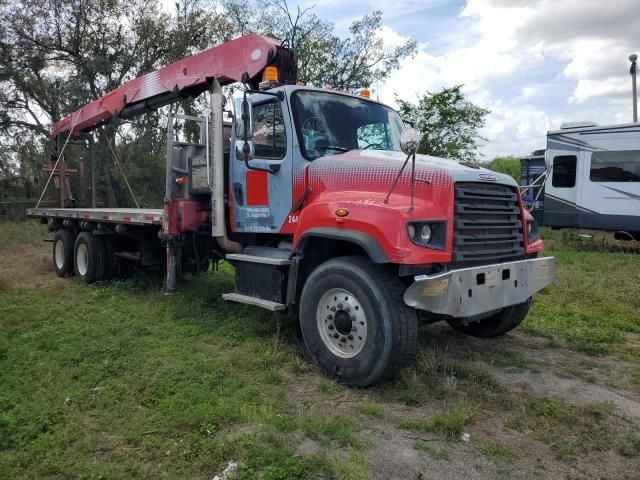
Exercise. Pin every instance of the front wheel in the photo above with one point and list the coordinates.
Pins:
(354, 322)
(494, 325)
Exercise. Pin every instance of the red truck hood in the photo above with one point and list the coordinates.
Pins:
(375, 170)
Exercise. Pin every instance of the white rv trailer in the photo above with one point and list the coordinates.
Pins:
(593, 177)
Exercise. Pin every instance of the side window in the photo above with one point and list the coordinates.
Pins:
(623, 166)
(564, 171)
(269, 134)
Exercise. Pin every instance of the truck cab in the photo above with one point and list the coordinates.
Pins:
(316, 182)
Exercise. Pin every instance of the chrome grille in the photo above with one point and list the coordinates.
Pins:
(487, 224)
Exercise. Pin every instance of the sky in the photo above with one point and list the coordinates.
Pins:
(534, 63)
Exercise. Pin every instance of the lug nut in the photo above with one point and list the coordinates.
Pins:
(354, 329)
(330, 327)
(342, 339)
(329, 317)
(335, 335)
(339, 306)
(350, 337)
(333, 309)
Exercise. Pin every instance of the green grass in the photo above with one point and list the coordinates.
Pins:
(570, 430)
(497, 451)
(593, 304)
(449, 423)
(116, 380)
(370, 409)
(511, 361)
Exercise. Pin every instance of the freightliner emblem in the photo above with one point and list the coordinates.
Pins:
(487, 177)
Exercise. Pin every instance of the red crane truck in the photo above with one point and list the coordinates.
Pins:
(305, 193)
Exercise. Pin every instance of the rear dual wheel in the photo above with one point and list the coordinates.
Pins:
(90, 258)
(63, 246)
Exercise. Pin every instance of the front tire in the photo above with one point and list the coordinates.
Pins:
(354, 322)
(495, 325)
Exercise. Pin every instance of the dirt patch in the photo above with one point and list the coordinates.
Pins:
(572, 390)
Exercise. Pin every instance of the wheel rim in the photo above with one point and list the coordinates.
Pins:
(82, 259)
(58, 255)
(341, 323)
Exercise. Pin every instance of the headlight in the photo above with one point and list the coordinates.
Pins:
(432, 234)
(425, 233)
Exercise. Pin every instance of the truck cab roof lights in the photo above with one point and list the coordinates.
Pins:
(365, 93)
(269, 78)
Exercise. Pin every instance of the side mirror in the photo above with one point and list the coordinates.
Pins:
(243, 116)
(410, 140)
(245, 150)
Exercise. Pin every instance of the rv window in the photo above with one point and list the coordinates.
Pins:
(564, 171)
(623, 166)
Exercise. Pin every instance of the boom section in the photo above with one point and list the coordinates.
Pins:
(189, 77)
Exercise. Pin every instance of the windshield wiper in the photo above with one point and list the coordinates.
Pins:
(334, 147)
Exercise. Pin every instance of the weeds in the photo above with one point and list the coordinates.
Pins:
(497, 451)
(449, 423)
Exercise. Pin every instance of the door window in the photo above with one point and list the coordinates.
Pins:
(269, 134)
(564, 171)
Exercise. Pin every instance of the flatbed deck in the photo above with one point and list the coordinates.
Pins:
(134, 216)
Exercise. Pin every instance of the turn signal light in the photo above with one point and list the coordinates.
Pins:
(270, 74)
(342, 212)
(365, 93)
(182, 181)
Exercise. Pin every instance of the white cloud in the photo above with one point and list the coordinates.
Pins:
(534, 64)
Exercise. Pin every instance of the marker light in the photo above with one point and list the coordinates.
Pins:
(270, 74)
(365, 93)
(342, 212)
(181, 181)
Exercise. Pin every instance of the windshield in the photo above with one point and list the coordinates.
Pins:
(329, 123)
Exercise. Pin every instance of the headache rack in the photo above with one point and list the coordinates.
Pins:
(487, 224)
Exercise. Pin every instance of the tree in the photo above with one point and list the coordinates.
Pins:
(508, 165)
(323, 57)
(449, 124)
(57, 55)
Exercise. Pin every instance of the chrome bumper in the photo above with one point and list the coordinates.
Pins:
(472, 291)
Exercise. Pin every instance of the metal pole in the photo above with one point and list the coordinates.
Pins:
(634, 67)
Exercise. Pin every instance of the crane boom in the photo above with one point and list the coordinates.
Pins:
(227, 63)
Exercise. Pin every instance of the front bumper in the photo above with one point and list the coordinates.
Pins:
(473, 291)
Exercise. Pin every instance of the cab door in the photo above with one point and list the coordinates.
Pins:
(261, 192)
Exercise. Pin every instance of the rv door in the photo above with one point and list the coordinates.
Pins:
(562, 188)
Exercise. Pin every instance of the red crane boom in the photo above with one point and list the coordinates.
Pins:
(227, 63)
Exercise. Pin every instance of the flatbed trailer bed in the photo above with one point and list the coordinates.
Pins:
(133, 216)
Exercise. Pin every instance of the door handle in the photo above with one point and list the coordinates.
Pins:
(238, 194)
